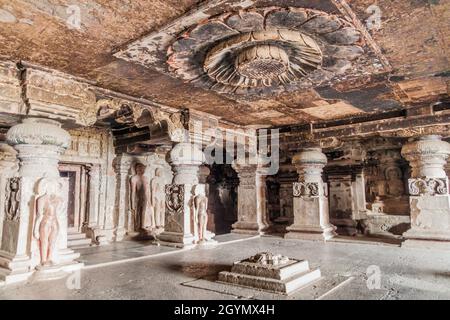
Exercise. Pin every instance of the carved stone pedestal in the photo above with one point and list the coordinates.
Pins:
(37, 233)
(252, 214)
(311, 217)
(429, 196)
(185, 200)
(269, 272)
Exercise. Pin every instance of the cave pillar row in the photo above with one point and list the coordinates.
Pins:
(428, 193)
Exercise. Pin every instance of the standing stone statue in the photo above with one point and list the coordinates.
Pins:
(158, 198)
(200, 210)
(144, 217)
(46, 227)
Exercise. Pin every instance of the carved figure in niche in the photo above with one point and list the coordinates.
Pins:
(13, 199)
(46, 227)
(144, 217)
(200, 210)
(158, 198)
(394, 186)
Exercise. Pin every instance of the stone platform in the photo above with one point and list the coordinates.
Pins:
(268, 272)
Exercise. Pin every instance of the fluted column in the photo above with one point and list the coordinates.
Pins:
(311, 213)
(39, 143)
(252, 214)
(429, 192)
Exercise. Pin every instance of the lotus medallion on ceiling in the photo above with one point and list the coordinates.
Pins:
(258, 51)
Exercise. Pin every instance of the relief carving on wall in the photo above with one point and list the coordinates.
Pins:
(13, 199)
(86, 143)
(305, 189)
(427, 186)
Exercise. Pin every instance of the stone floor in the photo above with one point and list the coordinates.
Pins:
(143, 271)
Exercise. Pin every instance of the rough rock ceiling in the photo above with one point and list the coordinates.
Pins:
(410, 67)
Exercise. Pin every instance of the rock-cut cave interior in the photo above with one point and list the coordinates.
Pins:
(224, 149)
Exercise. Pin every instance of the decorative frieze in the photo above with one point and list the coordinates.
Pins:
(306, 189)
(428, 186)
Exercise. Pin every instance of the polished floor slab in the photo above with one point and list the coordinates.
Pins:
(350, 271)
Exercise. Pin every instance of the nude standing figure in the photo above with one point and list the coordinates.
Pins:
(158, 198)
(46, 227)
(200, 209)
(144, 217)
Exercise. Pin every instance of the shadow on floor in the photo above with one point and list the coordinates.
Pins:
(205, 271)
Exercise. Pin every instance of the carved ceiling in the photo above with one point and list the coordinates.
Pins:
(248, 62)
(260, 51)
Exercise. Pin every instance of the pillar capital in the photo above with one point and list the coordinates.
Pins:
(39, 143)
(427, 156)
(186, 158)
(310, 163)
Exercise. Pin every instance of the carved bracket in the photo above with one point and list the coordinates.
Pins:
(428, 186)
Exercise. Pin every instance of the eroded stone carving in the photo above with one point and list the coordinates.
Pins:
(268, 258)
(46, 227)
(174, 199)
(429, 186)
(13, 199)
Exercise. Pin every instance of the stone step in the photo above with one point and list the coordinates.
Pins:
(78, 240)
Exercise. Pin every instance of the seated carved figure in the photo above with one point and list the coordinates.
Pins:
(46, 227)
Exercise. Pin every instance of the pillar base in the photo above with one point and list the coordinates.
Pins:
(119, 234)
(14, 268)
(177, 240)
(249, 228)
(59, 271)
(310, 233)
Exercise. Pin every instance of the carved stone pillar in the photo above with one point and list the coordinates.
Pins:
(122, 165)
(92, 225)
(286, 177)
(252, 214)
(180, 220)
(39, 197)
(429, 196)
(311, 216)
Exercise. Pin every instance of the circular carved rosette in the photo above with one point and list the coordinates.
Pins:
(263, 50)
